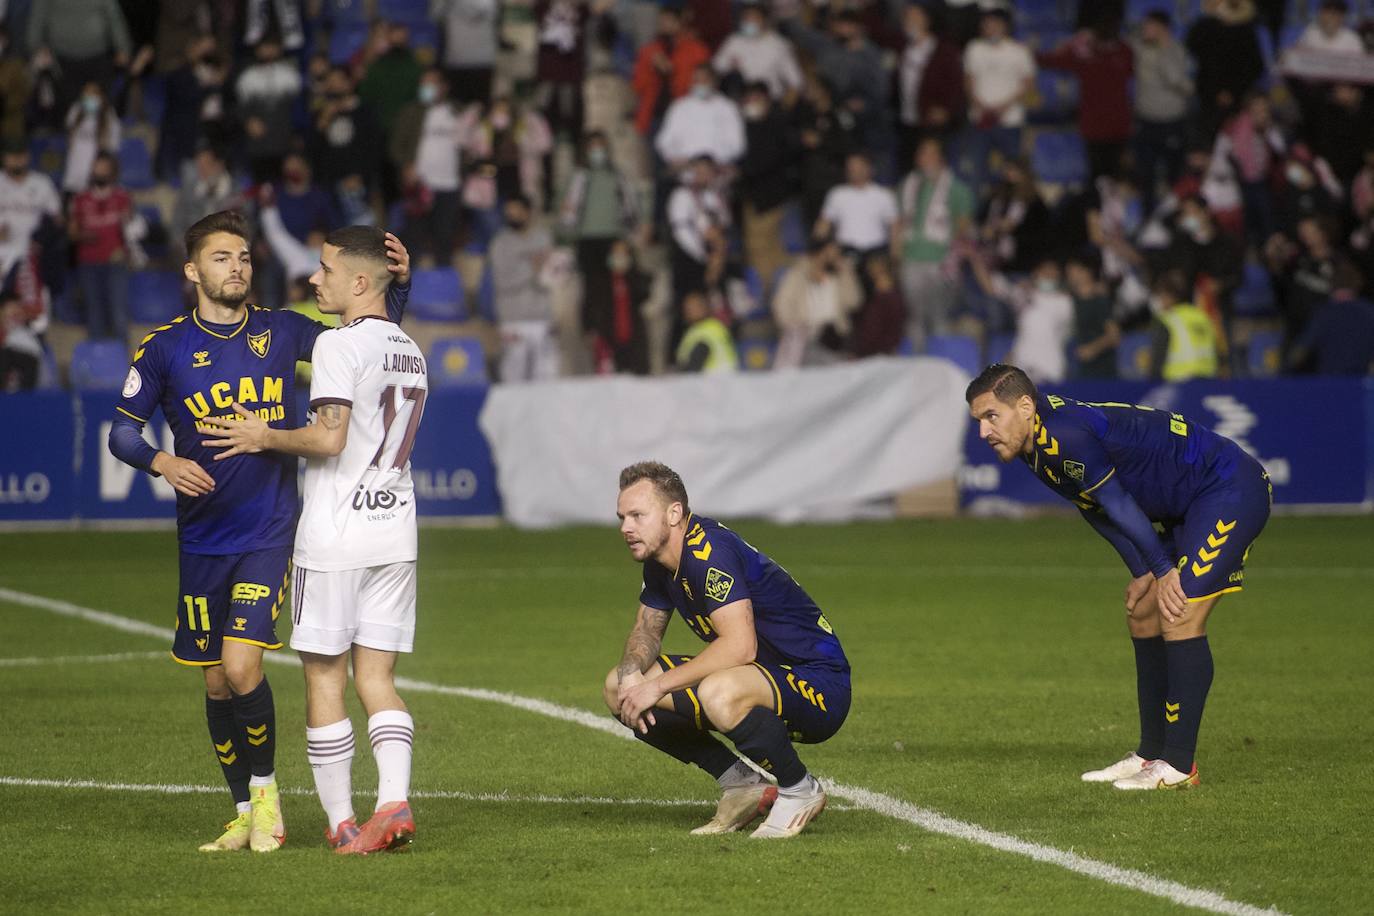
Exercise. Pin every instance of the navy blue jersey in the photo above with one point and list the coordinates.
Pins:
(1134, 465)
(192, 369)
(719, 567)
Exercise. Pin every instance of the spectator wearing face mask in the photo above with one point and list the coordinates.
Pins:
(345, 144)
(1043, 314)
(936, 212)
(27, 198)
(599, 208)
(96, 224)
(930, 84)
(664, 69)
(267, 91)
(514, 140)
(614, 318)
(701, 123)
(766, 181)
(999, 72)
(697, 221)
(92, 127)
(756, 53)
(852, 68)
(1210, 263)
(814, 306)
(524, 308)
(426, 146)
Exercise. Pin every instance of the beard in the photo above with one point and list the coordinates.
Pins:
(228, 295)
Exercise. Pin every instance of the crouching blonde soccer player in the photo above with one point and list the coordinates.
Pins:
(772, 672)
(356, 542)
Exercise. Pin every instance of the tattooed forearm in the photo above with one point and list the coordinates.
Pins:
(644, 641)
(331, 416)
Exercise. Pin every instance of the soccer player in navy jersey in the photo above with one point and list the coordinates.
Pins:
(773, 671)
(1128, 469)
(236, 519)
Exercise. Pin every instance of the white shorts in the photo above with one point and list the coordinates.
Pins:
(372, 607)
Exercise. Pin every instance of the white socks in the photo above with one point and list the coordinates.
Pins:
(330, 751)
(741, 774)
(807, 786)
(255, 781)
(392, 733)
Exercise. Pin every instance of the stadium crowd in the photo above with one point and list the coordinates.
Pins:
(1151, 189)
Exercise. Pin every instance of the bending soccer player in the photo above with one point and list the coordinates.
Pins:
(1128, 468)
(356, 542)
(235, 519)
(772, 672)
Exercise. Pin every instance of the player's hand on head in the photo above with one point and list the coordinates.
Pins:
(185, 476)
(246, 435)
(1173, 602)
(400, 259)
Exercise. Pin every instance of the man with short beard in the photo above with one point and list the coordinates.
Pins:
(773, 671)
(236, 518)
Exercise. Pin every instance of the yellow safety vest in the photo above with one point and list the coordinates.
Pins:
(1192, 349)
(716, 336)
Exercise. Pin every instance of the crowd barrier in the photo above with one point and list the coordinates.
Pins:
(797, 445)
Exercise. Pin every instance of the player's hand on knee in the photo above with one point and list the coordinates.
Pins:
(637, 703)
(1173, 602)
(1137, 589)
(185, 476)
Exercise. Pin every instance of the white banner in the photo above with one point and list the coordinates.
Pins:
(787, 445)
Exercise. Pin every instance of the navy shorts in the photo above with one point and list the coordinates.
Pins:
(235, 597)
(1214, 538)
(812, 700)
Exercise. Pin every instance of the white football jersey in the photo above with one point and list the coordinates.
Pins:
(359, 506)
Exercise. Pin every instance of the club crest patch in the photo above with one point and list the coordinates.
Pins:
(718, 585)
(1074, 469)
(259, 343)
(133, 384)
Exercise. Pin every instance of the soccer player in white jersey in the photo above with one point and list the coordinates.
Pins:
(356, 541)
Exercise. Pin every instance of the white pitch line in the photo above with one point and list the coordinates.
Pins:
(866, 799)
(36, 660)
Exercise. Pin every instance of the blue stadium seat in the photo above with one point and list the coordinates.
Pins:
(756, 354)
(1059, 158)
(456, 362)
(754, 283)
(957, 348)
(48, 155)
(99, 365)
(154, 98)
(345, 12)
(135, 164)
(794, 231)
(424, 34)
(1255, 295)
(346, 40)
(486, 295)
(155, 296)
(1058, 97)
(1264, 355)
(905, 347)
(998, 348)
(1032, 15)
(408, 11)
(436, 295)
(1133, 356)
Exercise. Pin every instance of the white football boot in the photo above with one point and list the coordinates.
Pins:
(1159, 774)
(1129, 765)
(792, 812)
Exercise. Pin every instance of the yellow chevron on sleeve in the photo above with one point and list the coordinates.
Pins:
(1043, 437)
(1053, 447)
(704, 553)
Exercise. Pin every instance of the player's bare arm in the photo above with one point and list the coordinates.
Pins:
(250, 434)
(735, 645)
(185, 476)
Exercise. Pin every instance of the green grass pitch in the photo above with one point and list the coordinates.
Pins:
(991, 666)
